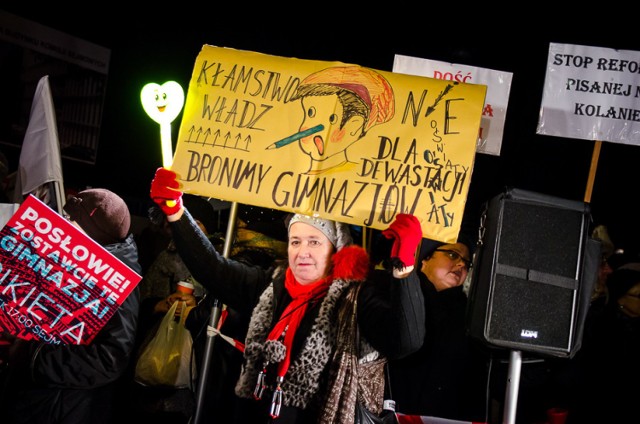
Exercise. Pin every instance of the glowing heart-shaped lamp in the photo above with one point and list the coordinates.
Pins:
(163, 103)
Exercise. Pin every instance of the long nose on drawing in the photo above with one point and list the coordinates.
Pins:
(296, 136)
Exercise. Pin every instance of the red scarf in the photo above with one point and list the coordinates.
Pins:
(302, 295)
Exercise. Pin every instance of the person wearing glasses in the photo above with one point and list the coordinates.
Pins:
(446, 377)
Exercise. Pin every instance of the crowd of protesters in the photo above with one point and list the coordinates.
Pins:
(282, 291)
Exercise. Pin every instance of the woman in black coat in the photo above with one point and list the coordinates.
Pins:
(297, 307)
(445, 378)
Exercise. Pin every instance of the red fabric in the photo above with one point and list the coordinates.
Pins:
(238, 345)
(422, 419)
(407, 232)
(165, 191)
(409, 419)
(351, 263)
(223, 317)
(301, 295)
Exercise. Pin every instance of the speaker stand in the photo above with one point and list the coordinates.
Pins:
(513, 385)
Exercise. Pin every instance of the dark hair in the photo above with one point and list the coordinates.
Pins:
(352, 103)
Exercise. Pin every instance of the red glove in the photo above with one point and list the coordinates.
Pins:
(407, 232)
(165, 191)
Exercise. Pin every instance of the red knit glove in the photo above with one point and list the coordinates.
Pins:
(165, 191)
(407, 232)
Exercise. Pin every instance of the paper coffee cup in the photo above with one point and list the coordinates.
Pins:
(185, 287)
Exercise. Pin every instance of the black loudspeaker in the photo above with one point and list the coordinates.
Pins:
(534, 271)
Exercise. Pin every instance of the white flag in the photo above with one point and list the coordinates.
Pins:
(40, 162)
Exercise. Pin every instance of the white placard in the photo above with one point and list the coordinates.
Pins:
(591, 93)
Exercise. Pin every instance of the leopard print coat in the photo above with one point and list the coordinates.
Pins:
(306, 375)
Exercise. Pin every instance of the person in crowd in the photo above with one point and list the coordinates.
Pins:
(155, 237)
(446, 378)
(159, 283)
(254, 242)
(75, 384)
(158, 293)
(603, 387)
(295, 306)
(600, 295)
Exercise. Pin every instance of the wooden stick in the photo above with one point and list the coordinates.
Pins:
(592, 171)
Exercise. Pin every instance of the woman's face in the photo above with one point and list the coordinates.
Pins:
(445, 268)
(309, 253)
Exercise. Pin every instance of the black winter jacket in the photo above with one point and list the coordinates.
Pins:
(446, 378)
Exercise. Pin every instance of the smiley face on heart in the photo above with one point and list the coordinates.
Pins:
(163, 102)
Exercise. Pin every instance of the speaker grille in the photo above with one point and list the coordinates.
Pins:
(531, 313)
(541, 237)
(525, 290)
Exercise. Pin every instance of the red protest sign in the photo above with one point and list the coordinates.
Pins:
(57, 284)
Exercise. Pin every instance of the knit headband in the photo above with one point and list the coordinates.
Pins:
(337, 232)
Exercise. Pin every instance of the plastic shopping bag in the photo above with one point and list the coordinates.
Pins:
(166, 360)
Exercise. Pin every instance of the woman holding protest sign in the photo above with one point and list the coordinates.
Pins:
(75, 383)
(297, 310)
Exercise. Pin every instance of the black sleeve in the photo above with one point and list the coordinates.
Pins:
(234, 283)
(102, 361)
(391, 313)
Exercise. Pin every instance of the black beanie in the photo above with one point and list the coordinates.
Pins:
(427, 247)
(102, 214)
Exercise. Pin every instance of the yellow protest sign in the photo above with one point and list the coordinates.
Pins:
(336, 140)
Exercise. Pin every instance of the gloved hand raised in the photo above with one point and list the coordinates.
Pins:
(165, 191)
(407, 232)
